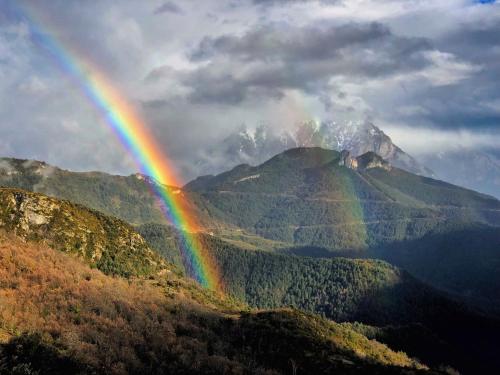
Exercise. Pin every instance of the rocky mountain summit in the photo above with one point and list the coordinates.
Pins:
(247, 147)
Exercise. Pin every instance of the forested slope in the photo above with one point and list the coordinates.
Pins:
(61, 315)
(368, 291)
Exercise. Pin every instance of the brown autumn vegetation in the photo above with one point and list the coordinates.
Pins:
(59, 316)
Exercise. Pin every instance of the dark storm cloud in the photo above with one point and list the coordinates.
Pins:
(168, 7)
(308, 43)
(259, 58)
(271, 59)
(473, 102)
(291, 2)
(476, 42)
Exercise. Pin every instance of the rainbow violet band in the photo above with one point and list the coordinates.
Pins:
(137, 140)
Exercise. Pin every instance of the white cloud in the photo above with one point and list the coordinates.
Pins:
(447, 69)
(423, 141)
(32, 86)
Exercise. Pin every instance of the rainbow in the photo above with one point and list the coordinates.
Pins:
(138, 141)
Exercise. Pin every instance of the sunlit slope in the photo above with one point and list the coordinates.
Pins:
(103, 242)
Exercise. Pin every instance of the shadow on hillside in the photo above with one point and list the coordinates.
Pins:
(29, 354)
(423, 322)
(433, 327)
(463, 262)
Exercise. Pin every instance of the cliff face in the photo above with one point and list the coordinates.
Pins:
(371, 160)
(104, 242)
(368, 160)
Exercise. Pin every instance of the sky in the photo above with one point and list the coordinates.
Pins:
(425, 71)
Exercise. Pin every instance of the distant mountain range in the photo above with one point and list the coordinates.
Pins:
(477, 170)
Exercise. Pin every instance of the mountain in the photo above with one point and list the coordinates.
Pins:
(305, 202)
(308, 202)
(302, 187)
(475, 169)
(244, 147)
(309, 197)
(324, 203)
(61, 315)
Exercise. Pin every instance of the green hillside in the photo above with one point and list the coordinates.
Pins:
(303, 196)
(443, 234)
(129, 198)
(58, 315)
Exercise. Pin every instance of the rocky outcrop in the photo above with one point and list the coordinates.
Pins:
(104, 242)
(347, 160)
(371, 160)
(366, 161)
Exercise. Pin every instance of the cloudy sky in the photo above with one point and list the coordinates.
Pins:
(425, 71)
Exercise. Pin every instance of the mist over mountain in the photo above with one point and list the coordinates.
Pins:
(463, 166)
(474, 169)
(254, 147)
